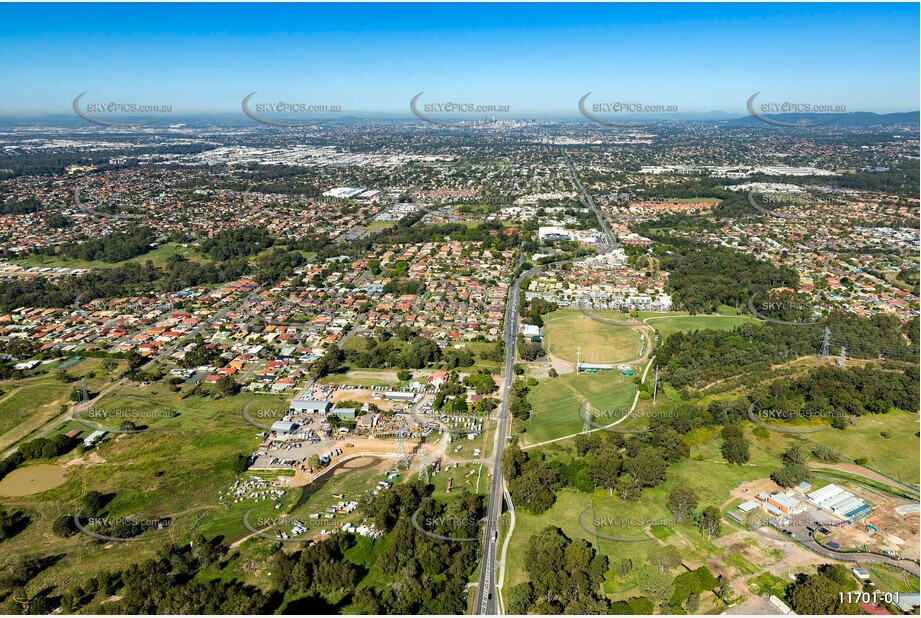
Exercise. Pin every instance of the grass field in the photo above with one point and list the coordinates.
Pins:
(891, 579)
(897, 456)
(363, 377)
(556, 403)
(376, 226)
(177, 468)
(27, 404)
(567, 330)
(667, 326)
(463, 480)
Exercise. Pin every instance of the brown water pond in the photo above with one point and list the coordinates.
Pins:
(32, 480)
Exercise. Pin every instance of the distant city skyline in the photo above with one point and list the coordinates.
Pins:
(538, 60)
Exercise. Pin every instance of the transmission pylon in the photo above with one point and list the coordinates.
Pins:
(401, 449)
(826, 338)
(842, 358)
(423, 465)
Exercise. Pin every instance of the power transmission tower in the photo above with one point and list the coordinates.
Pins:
(84, 397)
(826, 337)
(401, 449)
(842, 358)
(655, 387)
(423, 465)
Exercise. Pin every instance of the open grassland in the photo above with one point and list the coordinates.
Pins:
(891, 579)
(567, 330)
(26, 405)
(897, 456)
(363, 377)
(465, 479)
(175, 469)
(556, 403)
(376, 226)
(647, 521)
(564, 514)
(668, 325)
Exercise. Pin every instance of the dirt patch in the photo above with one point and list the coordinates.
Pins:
(93, 459)
(747, 491)
(361, 395)
(387, 376)
(561, 366)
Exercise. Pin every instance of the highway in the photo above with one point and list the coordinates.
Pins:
(586, 199)
(486, 591)
(486, 601)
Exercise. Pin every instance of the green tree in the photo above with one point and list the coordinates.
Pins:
(647, 468)
(604, 468)
(681, 502)
(664, 557)
(656, 586)
(93, 502)
(64, 526)
(109, 365)
(693, 603)
(227, 386)
(240, 464)
(709, 522)
(735, 447)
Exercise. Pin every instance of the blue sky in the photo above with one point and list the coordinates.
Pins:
(535, 58)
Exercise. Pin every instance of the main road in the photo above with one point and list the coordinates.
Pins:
(486, 591)
(486, 602)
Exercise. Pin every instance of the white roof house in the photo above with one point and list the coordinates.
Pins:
(94, 437)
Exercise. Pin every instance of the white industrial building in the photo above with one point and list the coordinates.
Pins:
(311, 406)
(553, 233)
(826, 493)
(837, 500)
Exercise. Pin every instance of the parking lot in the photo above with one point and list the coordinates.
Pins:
(802, 526)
